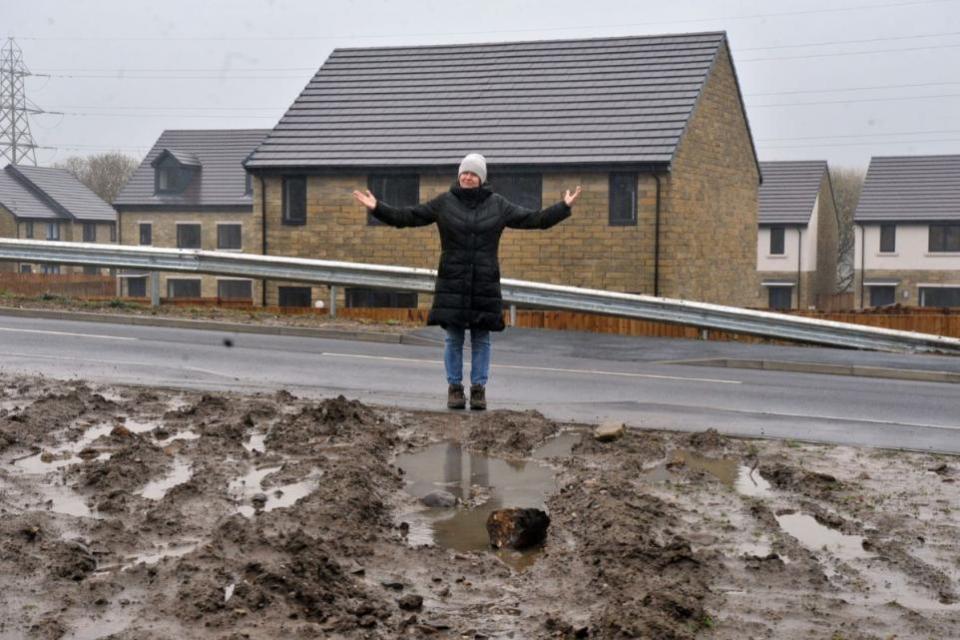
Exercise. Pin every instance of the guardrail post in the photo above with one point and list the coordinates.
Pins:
(333, 301)
(154, 288)
(513, 315)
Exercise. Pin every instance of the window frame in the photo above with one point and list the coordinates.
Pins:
(924, 291)
(28, 230)
(287, 184)
(771, 290)
(888, 237)
(515, 192)
(886, 288)
(778, 240)
(89, 229)
(396, 194)
(632, 180)
(53, 231)
(222, 281)
(288, 290)
(182, 225)
(951, 232)
(239, 226)
(172, 282)
(149, 227)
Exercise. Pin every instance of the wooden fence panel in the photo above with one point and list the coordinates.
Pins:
(66, 284)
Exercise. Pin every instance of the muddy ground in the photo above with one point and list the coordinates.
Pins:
(135, 513)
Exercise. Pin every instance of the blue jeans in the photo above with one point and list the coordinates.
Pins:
(479, 355)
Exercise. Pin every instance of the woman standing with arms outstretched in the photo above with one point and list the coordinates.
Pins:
(470, 218)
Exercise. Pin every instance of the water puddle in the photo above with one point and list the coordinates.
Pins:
(257, 443)
(171, 550)
(252, 498)
(817, 537)
(79, 451)
(745, 480)
(156, 489)
(481, 485)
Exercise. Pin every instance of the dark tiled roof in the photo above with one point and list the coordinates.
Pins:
(60, 194)
(185, 158)
(911, 188)
(616, 100)
(789, 191)
(21, 201)
(220, 181)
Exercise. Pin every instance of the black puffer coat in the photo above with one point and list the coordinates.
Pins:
(471, 221)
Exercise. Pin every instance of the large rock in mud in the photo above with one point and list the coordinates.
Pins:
(517, 528)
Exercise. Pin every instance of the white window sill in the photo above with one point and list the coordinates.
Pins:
(887, 255)
(777, 256)
(231, 250)
(942, 254)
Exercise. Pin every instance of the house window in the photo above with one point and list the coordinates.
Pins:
(183, 288)
(171, 177)
(89, 232)
(235, 289)
(137, 287)
(944, 238)
(146, 233)
(882, 296)
(780, 297)
(28, 231)
(50, 268)
(188, 236)
(228, 236)
(523, 189)
(295, 200)
(395, 190)
(294, 296)
(940, 296)
(623, 199)
(91, 270)
(888, 238)
(113, 232)
(777, 241)
(248, 184)
(363, 297)
(53, 231)
(26, 268)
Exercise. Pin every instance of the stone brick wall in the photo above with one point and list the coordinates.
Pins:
(8, 229)
(164, 234)
(909, 282)
(827, 240)
(584, 250)
(709, 221)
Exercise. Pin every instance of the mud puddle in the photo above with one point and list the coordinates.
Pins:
(745, 479)
(481, 484)
(251, 496)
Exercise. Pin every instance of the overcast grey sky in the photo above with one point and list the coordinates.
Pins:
(840, 80)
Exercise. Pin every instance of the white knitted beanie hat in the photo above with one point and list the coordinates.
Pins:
(474, 163)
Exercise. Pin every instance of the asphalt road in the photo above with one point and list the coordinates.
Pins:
(568, 377)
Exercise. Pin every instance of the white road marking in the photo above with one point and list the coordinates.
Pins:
(595, 372)
(67, 333)
(134, 363)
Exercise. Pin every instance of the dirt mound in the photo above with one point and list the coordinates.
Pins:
(44, 415)
(128, 468)
(791, 478)
(510, 433)
(706, 440)
(651, 581)
(333, 422)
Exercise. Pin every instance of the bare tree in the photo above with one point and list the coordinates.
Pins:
(104, 173)
(847, 183)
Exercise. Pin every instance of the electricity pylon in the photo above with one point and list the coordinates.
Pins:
(16, 143)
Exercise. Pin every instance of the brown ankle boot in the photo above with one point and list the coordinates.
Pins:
(478, 397)
(455, 397)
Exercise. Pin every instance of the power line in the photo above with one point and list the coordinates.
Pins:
(854, 100)
(851, 53)
(470, 33)
(864, 135)
(873, 88)
(860, 144)
(864, 41)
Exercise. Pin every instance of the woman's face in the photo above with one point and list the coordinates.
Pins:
(469, 180)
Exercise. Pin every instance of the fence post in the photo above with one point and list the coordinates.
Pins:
(154, 288)
(513, 315)
(333, 301)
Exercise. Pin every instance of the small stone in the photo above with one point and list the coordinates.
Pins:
(259, 500)
(88, 454)
(121, 431)
(410, 602)
(395, 586)
(439, 499)
(46, 457)
(608, 431)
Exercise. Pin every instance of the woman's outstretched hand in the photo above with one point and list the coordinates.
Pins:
(568, 198)
(368, 200)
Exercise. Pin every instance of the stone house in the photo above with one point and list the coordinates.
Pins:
(192, 192)
(798, 236)
(43, 203)
(907, 230)
(652, 127)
